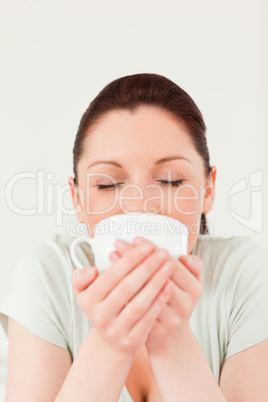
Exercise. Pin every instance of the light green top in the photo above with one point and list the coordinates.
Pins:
(231, 315)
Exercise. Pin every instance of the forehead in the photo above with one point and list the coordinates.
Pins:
(147, 129)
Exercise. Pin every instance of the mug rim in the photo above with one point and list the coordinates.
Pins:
(137, 215)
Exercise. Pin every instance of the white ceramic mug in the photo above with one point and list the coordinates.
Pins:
(162, 230)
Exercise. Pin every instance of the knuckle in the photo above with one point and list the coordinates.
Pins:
(128, 342)
(175, 321)
(98, 319)
(185, 308)
(127, 288)
(137, 310)
(125, 342)
(158, 280)
(111, 332)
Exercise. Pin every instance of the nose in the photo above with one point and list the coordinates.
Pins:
(141, 199)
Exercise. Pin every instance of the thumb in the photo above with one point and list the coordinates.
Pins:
(82, 278)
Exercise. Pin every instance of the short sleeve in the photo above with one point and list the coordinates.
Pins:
(247, 298)
(39, 294)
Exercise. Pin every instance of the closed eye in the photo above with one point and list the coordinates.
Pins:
(107, 186)
(175, 183)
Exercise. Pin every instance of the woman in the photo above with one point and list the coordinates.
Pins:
(192, 329)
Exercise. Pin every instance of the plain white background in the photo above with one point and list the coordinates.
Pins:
(57, 55)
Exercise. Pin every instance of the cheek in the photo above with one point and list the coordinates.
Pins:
(97, 202)
(100, 202)
(187, 208)
(97, 206)
(99, 211)
(188, 201)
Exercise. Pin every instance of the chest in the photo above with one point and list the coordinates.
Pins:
(141, 382)
(208, 323)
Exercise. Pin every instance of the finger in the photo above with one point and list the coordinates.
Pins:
(135, 280)
(169, 318)
(139, 304)
(162, 323)
(183, 277)
(194, 264)
(140, 240)
(122, 246)
(82, 278)
(158, 329)
(117, 271)
(148, 320)
(181, 306)
(181, 299)
(114, 256)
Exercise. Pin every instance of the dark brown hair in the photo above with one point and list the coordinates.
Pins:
(131, 92)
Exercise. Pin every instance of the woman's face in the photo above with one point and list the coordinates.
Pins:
(136, 154)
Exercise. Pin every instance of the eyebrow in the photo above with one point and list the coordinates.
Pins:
(158, 162)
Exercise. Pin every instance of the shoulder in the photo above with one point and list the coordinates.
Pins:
(43, 272)
(40, 296)
(220, 243)
(234, 247)
(233, 257)
(49, 262)
(50, 254)
(57, 244)
(55, 252)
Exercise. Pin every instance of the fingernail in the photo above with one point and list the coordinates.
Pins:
(114, 256)
(138, 240)
(120, 244)
(90, 272)
(145, 248)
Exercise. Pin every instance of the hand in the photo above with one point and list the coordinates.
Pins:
(174, 318)
(123, 302)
